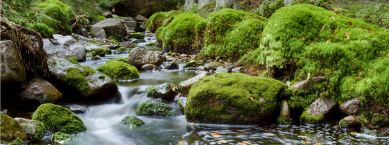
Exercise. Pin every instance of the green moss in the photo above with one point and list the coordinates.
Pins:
(10, 128)
(95, 58)
(43, 29)
(194, 63)
(132, 122)
(302, 98)
(379, 120)
(231, 33)
(211, 96)
(160, 19)
(122, 49)
(158, 33)
(58, 118)
(308, 118)
(99, 51)
(100, 17)
(76, 78)
(179, 35)
(117, 18)
(137, 35)
(119, 70)
(88, 70)
(119, 59)
(62, 137)
(151, 44)
(17, 141)
(39, 129)
(284, 121)
(60, 12)
(96, 42)
(269, 6)
(72, 59)
(91, 33)
(150, 107)
(343, 123)
(114, 39)
(169, 53)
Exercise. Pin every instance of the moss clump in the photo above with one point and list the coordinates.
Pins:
(122, 49)
(99, 17)
(308, 118)
(154, 107)
(158, 33)
(137, 35)
(119, 70)
(342, 124)
(194, 63)
(179, 35)
(38, 127)
(303, 97)
(213, 95)
(43, 29)
(88, 70)
(379, 120)
(284, 121)
(119, 59)
(91, 33)
(58, 118)
(62, 137)
(151, 44)
(60, 12)
(114, 39)
(76, 78)
(10, 128)
(72, 59)
(160, 19)
(231, 33)
(132, 122)
(95, 58)
(99, 51)
(17, 141)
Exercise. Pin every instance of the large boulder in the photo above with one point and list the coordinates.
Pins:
(112, 27)
(185, 86)
(59, 47)
(226, 98)
(11, 129)
(80, 83)
(39, 91)
(99, 32)
(58, 118)
(154, 107)
(318, 110)
(119, 69)
(12, 68)
(351, 107)
(140, 56)
(166, 91)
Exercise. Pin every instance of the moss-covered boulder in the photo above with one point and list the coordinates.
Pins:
(119, 69)
(58, 118)
(154, 107)
(194, 63)
(160, 19)
(166, 91)
(11, 129)
(179, 35)
(132, 122)
(35, 130)
(237, 98)
(350, 122)
(319, 110)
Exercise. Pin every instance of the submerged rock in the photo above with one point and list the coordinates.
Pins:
(349, 122)
(132, 122)
(12, 68)
(166, 91)
(318, 110)
(233, 98)
(58, 118)
(140, 56)
(351, 107)
(11, 129)
(185, 86)
(39, 91)
(154, 107)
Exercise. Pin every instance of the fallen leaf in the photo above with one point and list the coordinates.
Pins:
(269, 134)
(173, 88)
(350, 22)
(187, 85)
(216, 135)
(371, 125)
(318, 143)
(323, 28)
(302, 136)
(348, 36)
(253, 69)
(55, 94)
(306, 142)
(303, 38)
(260, 34)
(181, 142)
(252, 100)
(174, 40)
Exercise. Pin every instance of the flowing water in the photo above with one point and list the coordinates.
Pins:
(103, 121)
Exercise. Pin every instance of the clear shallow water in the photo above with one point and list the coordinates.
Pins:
(103, 121)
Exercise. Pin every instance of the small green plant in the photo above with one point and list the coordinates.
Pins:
(170, 53)
(91, 33)
(99, 17)
(137, 35)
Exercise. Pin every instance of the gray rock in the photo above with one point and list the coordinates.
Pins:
(349, 122)
(77, 109)
(185, 86)
(99, 32)
(166, 91)
(221, 69)
(12, 68)
(127, 44)
(149, 67)
(39, 91)
(140, 18)
(112, 27)
(200, 68)
(79, 51)
(127, 18)
(322, 106)
(59, 48)
(202, 3)
(237, 70)
(304, 84)
(107, 15)
(351, 107)
(130, 26)
(132, 122)
(138, 40)
(34, 129)
(140, 56)
(211, 65)
(171, 65)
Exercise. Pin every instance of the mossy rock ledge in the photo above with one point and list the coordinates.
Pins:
(11, 129)
(226, 98)
(58, 118)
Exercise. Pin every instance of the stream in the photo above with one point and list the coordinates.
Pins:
(103, 120)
